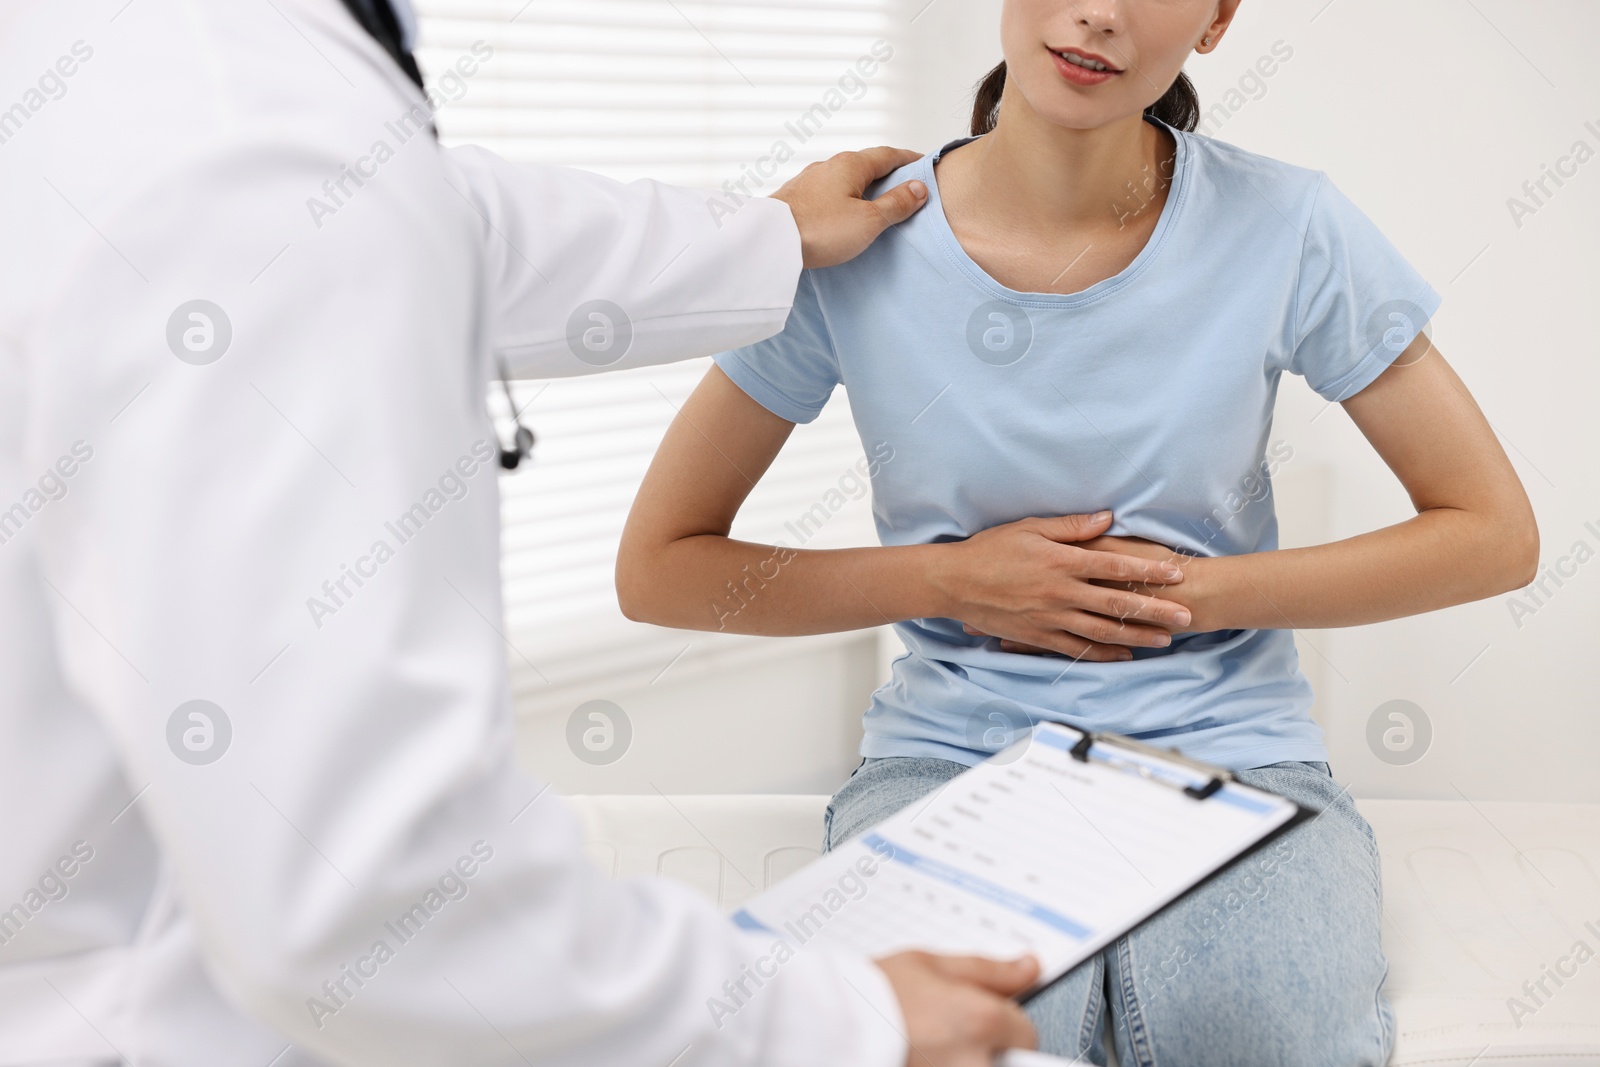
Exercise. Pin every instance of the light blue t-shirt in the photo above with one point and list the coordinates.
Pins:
(1150, 393)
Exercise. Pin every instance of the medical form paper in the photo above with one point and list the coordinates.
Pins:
(1035, 850)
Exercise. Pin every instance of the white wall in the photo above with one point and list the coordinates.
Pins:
(729, 716)
(1429, 115)
(945, 47)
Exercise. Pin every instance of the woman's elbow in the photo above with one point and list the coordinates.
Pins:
(1516, 545)
(644, 590)
(1528, 557)
(633, 586)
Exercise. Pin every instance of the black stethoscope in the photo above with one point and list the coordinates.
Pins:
(382, 22)
(385, 26)
(522, 438)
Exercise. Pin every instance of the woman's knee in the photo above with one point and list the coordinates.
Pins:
(878, 789)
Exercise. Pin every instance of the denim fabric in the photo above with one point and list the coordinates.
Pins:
(1276, 961)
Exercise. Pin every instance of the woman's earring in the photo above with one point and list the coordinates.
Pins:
(1206, 42)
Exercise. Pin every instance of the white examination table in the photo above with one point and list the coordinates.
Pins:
(1479, 899)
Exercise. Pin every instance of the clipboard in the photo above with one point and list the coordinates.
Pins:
(1056, 846)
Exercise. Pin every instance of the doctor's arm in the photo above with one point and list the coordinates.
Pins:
(590, 274)
(1473, 535)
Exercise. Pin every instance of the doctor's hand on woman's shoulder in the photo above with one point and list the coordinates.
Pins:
(828, 200)
(958, 1009)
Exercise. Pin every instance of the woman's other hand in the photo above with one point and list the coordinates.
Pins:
(1038, 586)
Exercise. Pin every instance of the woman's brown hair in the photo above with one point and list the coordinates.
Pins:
(1179, 106)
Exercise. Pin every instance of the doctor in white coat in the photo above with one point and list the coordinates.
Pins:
(256, 785)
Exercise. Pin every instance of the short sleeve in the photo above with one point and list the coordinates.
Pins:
(794, 373)
(1359, 303)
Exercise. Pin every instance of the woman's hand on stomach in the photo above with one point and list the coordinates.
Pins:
(1039, 586)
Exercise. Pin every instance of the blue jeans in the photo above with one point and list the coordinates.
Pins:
(1276, 961)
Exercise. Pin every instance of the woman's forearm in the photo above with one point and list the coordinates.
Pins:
(1438, 559)
(710, 582)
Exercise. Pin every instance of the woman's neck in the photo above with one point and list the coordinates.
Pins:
(1030, 189)
(1052, 175)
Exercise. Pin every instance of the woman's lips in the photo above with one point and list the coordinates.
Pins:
(1080, 75)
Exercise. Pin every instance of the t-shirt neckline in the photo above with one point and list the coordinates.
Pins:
(1103, 288)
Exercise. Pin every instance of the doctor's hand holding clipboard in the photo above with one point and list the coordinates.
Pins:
(257, 710)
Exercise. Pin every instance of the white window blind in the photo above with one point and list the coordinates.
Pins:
(693, 93)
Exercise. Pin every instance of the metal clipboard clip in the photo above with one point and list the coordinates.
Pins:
(1216, 777)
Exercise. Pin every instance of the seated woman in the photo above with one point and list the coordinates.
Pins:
(1090, 319)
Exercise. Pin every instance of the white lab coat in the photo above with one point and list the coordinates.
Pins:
(166, 525)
